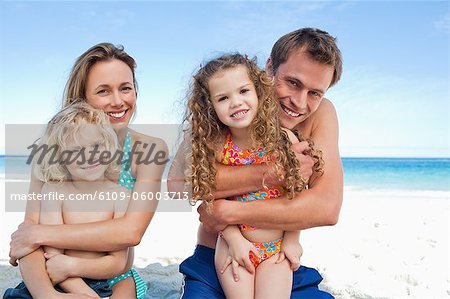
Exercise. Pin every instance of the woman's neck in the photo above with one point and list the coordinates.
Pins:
(121, 134)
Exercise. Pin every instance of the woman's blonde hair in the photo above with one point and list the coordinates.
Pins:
(63, 129)
(76, 84)
(207, 131)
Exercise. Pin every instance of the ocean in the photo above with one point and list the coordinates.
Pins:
(412, 174)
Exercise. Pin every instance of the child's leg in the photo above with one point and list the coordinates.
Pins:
(125, 289)
(273, 280)
(242, 289)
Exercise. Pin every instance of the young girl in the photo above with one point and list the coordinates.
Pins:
(80, 178)
(234, 120)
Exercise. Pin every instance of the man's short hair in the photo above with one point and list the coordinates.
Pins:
(318, 44)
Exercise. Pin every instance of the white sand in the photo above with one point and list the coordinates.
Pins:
(386, 245)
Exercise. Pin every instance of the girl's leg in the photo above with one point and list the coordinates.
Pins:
(242, 289)
(273, 280)
(125, 289)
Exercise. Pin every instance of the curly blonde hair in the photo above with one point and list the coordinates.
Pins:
(207, 131)
(63, 129)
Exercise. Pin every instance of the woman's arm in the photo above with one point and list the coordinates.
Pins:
(111, 265)
(19, 246)
(110, 235)
(105, 267)
(317, 206)
(32, 266)
(51, 213)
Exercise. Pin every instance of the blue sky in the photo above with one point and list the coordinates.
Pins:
(393, 99)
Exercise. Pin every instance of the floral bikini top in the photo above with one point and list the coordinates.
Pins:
(235, 156)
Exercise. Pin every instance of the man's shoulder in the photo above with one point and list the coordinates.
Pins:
(326, 107)
(325, 113)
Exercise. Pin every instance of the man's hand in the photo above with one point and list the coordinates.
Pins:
(301, 151)
(215, 220)
(58, 267)
(292, 251)
(22, 241)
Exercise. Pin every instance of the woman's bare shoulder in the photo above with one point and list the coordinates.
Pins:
(146, 139)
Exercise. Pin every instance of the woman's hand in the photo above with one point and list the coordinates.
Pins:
(292, 251)
(238, 255)
(58, 267)
(22, 241)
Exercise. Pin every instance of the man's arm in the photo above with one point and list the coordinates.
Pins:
(317, 206)
(231, 181)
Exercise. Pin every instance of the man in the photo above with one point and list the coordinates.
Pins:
(304, 63)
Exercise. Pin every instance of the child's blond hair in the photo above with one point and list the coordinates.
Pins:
(63, 129)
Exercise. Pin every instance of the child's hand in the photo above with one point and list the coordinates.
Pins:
(58, 267)
(293, 252)
(238, 255)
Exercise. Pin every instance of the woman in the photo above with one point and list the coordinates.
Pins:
(104, 76)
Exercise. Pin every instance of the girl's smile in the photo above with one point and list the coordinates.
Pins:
(234, 97)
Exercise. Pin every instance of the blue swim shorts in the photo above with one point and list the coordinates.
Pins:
(101, 287)
(200, 279)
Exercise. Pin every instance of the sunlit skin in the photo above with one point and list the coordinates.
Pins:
(235, 101)
(110, 87)
(300, 85)
(88, 138)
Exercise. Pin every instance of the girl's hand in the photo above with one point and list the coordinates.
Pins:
(292, 251)
(58, 267)
(238, 255)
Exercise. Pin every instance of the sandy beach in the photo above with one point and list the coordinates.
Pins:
(386, 245)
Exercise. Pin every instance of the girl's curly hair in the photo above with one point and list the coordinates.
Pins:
(207, 131)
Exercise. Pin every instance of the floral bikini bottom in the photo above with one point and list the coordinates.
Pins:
(266, 249)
